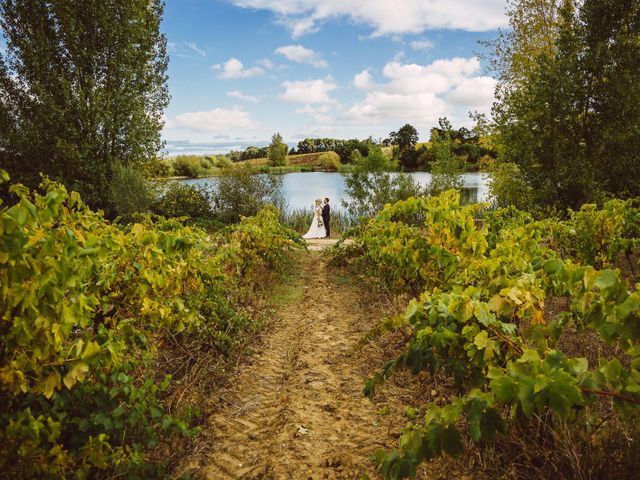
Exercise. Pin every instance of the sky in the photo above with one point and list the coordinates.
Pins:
(241, 70)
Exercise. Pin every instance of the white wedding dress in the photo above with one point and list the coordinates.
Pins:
(316, 230)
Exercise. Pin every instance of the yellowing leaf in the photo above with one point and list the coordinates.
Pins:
(538, 317)
(76, 373)
(481, 340)
(90, 350)
(50, 384)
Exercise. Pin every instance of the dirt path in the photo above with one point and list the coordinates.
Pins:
(297, 410)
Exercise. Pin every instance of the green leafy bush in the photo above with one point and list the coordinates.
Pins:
(181, 200)
(187, 166)
(371, 184)
(479, 317)
(130, 191)
(84, 305)
(329, 161)
(239, 192)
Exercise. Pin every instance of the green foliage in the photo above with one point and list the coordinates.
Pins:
(187, 166)
(239, 192)
(405, 140)
(479, 316)
(195, 166)
(182, 200)
(371, 185)
(83, 305)
(447, 168)
(329, 161)
(506, 218)
(158, 168)
(344, 148)
(277, 151)
(508, 187)
(284, 169)
(568, 110)
(250, 153)
(599, 237)
(81, 86)
(376, 161)
(130, 191)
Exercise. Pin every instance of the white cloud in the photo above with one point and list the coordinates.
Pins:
(212, 121)
(437, 77)
(266, 63)
(473, 92)
(420, 94)
(363, 80)
(386, 17)
(242, 96)
(378, 107)
(422, 44)
(300, 54)
(308, 91)
(300, 26)
(185, 49)
(319, 113)
(234, 68)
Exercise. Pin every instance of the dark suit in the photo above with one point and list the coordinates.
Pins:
(326, 217)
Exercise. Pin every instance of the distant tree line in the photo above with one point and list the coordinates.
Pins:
(344, 148)
(248, 153)
(473, 148)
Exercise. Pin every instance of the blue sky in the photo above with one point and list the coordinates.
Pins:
(241, 70)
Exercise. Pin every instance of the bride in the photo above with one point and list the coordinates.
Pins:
(316, 230)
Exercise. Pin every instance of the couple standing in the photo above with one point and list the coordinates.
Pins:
(320, 224)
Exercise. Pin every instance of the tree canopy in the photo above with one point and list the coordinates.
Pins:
(568, 110)
(277, 151)
(82, 86)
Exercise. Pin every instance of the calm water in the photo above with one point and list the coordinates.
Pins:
(301, 189)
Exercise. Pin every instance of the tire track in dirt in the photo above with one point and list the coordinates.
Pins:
(297, 411)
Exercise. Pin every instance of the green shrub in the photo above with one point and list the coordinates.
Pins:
(158, 168)
(371, 185)
(528, 342)
(238, 192)
(181, 200)
(509, 187)
(188, 166)
(130, 192)
(277, 151)
(81, 387)
(329, 161)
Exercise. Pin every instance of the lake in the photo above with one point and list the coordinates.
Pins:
(301, 189)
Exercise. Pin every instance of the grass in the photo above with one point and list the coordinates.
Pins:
(302, 160)
(283, 169)
(290, 289)
(299, 220)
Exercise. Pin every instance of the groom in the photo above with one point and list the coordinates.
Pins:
(326, 216)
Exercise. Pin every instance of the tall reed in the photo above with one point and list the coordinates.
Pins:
(299, 219)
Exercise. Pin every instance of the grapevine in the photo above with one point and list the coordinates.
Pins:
(480, 317)
(82, 303)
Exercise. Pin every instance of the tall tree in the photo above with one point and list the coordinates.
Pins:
(82, 86)
(611, 64)
(405, 141)
(277, 151)
(570, 119)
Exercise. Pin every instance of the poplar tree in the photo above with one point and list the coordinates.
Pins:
(568, 112)
(82, 87)
(277, 151)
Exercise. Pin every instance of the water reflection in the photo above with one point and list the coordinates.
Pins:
(301, 189)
